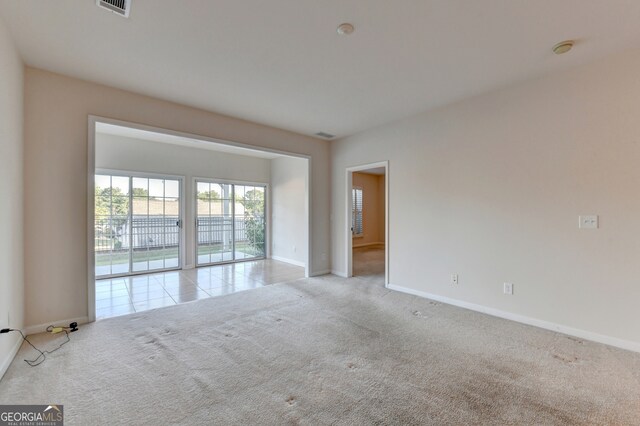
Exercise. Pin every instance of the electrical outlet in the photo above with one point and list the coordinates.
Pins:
(588, 222)
(324, 256)
(454, 278)
(508, 288)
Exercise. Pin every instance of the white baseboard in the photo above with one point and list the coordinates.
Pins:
(6, 362)
(291, 261)
(40, 328)
(339, 273)
(318, 273)
(367, 245)
(583, 334)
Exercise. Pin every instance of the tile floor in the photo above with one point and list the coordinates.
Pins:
(120, 296)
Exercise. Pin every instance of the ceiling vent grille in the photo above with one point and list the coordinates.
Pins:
(325, 135)
(120, 7)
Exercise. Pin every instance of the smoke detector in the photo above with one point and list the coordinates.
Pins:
(345, 29)
(119, 7)
(325, 135)
(563, 47)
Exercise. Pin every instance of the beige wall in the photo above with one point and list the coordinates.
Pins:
(491, 189)
(11, 196)
(122, 153)
(288, 209)
(372, 214)
(56, 114)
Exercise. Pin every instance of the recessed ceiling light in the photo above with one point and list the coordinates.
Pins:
(563, 47)
(345, 29)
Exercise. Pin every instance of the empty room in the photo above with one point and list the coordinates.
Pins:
(319, 213)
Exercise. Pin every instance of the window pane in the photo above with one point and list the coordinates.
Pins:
(140, 187)
(172, 188)
(203, 189)
(156, 188)
(121, 183)
(140, 206)
(171, 207)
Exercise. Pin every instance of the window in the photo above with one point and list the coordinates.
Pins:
(356, 209)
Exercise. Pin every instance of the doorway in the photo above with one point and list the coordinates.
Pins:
(367, 213)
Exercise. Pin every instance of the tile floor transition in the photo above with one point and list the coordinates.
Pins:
(120, 296)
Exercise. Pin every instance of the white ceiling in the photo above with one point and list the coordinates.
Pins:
(280, 62)
(145, 135)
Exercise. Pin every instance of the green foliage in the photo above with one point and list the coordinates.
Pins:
(110, 203)
(208, 195)
(140, 192)
(253, 203)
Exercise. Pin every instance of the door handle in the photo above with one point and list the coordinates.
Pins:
(179, 223)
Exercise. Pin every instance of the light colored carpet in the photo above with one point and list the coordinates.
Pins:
(369, 262)
(326, 351)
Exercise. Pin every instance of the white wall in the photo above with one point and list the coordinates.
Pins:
(288, 209)
(11, 197)
(372, 208)
(382, 230)
(491, 189)
(56, 115)
(122, 153)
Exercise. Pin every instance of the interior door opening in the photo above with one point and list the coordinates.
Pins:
(367, 234)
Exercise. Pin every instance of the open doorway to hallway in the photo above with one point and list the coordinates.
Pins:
(367, 209)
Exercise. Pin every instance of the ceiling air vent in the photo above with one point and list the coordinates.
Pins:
(325, 135)
(120, 7)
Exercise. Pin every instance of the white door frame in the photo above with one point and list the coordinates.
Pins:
(349, 200)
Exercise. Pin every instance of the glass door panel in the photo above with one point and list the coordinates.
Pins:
(204, 228)
(173, 224)
(119, 221)
(139, 228)
(111, 217)
(137, 224)
(249, 220)
(214, 222)
(230, 223)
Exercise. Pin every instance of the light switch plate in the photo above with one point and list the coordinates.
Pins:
(588, 222)
(508, 288)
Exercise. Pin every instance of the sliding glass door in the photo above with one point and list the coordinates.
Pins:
(112, 201)
(230, 224)
(214, 223)
(137, 224)
(249, 216)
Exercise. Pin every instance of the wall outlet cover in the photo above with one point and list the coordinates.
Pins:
(508, 288)
(588, 222)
